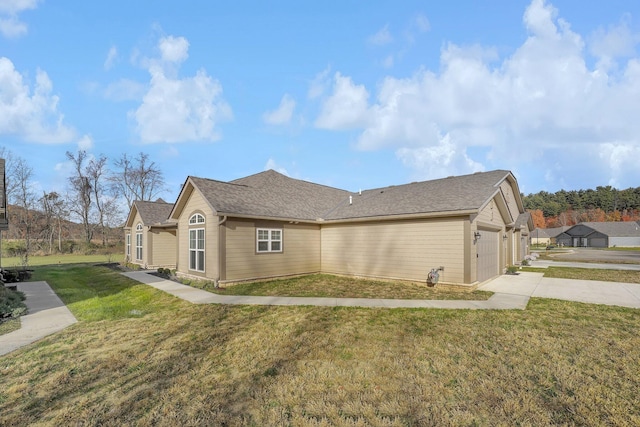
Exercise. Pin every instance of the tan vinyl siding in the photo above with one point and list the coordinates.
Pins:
(300, 250)
(395, 249)
(197, 204)
(164, 249)
(509, 196)
(491, 216)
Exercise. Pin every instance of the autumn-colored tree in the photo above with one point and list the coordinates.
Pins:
(614, 216)
(538, 218)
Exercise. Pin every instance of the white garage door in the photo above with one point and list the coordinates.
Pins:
(488, 255)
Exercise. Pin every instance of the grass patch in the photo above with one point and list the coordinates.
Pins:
(9, 326)
(95, 293)
(624, 276)
(34, 261)
(628, 249)
(556, 363)
(329, 286)
(11, 303)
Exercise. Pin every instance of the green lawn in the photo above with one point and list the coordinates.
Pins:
(34, 261)
(138, 356)
(604, 275)
(325, 285)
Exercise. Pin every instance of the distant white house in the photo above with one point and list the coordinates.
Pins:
(546, 236)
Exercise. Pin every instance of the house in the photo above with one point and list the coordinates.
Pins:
(268, 225)
(547, 236)
(601, 235)
(150, 238)
(521, 230)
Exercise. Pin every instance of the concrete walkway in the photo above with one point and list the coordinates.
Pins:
(498, 301)
(510, 292)
(47, 315)
(589, 291)
(575, 264)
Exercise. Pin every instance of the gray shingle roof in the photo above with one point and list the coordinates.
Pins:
(271, 194)
(550, 232)
(522, 219)
(458, 193)
(153, 213)
(615, 229)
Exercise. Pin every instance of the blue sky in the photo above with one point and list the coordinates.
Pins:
(349, 94)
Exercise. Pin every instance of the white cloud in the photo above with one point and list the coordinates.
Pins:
(617, 41)
(10, 24)
(320, 84)
(85, 143)
(179, 110)
(441, 159)
(422, 24)
(283, 114)
(271, 164)
(346, 107)
(382, 37)
(530, 107)
(33, 116)
(174, 49)
(112, 55)
(388, 61)
(125, 90)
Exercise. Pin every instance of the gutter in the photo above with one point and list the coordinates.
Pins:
(465, 212)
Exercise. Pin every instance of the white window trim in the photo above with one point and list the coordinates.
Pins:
(269, 240)
(128, 253)
(139, 245)
(196, 219)
(199, 268)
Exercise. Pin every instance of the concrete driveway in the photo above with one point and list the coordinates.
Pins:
(588, 291)
(596, 255)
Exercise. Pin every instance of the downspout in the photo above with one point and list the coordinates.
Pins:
(221, 221)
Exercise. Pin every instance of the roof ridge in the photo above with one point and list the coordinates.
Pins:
(281, 175)
(217, 181)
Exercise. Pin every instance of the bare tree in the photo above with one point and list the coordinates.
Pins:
(137, 179)
(24, 197)
(10, 164)
(55, 212)
(97, 173)
(80, 193)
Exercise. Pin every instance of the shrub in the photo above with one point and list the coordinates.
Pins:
(14, 248)
(511, 269)
(11, 304)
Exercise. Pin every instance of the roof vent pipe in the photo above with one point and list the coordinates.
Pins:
(350, 200)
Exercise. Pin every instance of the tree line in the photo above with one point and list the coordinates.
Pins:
(95, 201)
(561, 208)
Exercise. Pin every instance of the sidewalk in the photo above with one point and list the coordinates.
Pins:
(47, 315)
(499, 301)
(588, 291)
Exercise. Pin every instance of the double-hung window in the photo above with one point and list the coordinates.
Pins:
(196, 244)
(139, 242)
(269, 240)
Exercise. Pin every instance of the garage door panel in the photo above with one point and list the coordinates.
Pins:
(488, 251)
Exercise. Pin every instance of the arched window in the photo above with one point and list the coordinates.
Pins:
(196, 219)
(196, 243)
(139, 242)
